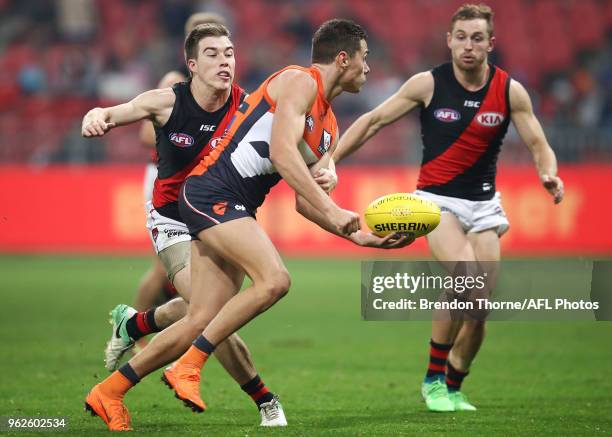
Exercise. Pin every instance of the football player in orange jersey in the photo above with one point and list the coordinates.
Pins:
(211, 97)
(285, 124)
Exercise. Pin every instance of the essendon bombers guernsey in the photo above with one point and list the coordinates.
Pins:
(189, 135)
(241, 162)
(182, 69)
(462, 134)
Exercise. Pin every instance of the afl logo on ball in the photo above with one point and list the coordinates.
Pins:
(447, 115)
(181, 140)
(490, 119)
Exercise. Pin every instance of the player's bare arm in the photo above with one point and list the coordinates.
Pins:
(155, 105)
(147, 131)
(294, 93)
(532, 134)
(415, 91)
(324, 171)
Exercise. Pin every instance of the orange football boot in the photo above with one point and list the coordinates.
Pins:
(185, 381)
(110, 410)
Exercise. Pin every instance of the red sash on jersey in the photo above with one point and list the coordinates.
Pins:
(166, 191)
(472, 142)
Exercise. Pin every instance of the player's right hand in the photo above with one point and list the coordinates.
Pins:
(554, 185)
(391, 241)
(94, 124)
(346, 222)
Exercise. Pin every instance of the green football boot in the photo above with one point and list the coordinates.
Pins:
(436, 397)
(120, 342)
(460, 401)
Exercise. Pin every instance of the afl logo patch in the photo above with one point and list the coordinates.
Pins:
(310, 123)
(215, 142)
(447, 115)
(181, 140)
(490, 119)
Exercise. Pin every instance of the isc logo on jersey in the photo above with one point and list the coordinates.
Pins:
(447, 115)
(490, 119)
(181, 140)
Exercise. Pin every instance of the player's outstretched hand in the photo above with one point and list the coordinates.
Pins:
(554, 185)
(326, 178)
(94, 124)
(391, 241)
(346, 222)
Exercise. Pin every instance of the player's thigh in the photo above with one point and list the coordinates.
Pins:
(182, 282)
(244, 243)
(214, 281)
(175, 257)
(486, 245)
(449, 242)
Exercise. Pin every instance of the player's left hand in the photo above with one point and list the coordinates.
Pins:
(554, 185)
(326, 178)
(392, 241)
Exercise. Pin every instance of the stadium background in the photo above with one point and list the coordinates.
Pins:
(62, 196)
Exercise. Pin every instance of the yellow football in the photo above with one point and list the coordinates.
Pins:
(403, 213)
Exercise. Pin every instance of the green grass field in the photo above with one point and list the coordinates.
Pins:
(335, 373)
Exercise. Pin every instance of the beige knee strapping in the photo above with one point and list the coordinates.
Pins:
(175, 258)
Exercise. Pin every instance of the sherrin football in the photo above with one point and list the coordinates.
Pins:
(403, 213)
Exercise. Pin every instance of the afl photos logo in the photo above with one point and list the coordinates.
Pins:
(181, 140)
(447, 115)
(490, 119)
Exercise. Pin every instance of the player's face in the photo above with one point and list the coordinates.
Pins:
(470, 43)
(355, 74)
(215, 64)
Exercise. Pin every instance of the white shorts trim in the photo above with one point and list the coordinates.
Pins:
(164, 231)
(474, 215)
(148, 182)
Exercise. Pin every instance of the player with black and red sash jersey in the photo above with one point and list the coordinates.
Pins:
(466, 107)
(187, 119)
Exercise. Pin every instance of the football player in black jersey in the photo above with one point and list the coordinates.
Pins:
(211, 62)
(465, 106)
(154, 285)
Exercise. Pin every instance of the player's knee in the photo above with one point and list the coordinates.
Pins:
(475, 326)
(196, 322)
(276, 286)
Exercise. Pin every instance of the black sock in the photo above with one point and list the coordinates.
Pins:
(204, 345)
(438, 355)
(127, 371)
(454, 377)
(141, 324)
(258, 391)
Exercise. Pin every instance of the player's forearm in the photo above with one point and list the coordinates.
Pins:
(311, 213)
(357, 134)
(544, 159)
(125, 113)
(291, 167)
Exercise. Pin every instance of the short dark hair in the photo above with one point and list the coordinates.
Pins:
(200, 32)
(202, 18)
(335, 36)
(472, 12)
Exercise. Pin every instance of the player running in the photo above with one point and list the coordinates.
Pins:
(188, 118)
(280, 129)
(466, 107)
(154, 284)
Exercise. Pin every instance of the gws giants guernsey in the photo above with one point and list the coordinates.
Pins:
(189, 134)
(462, 134)
(241, 163)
